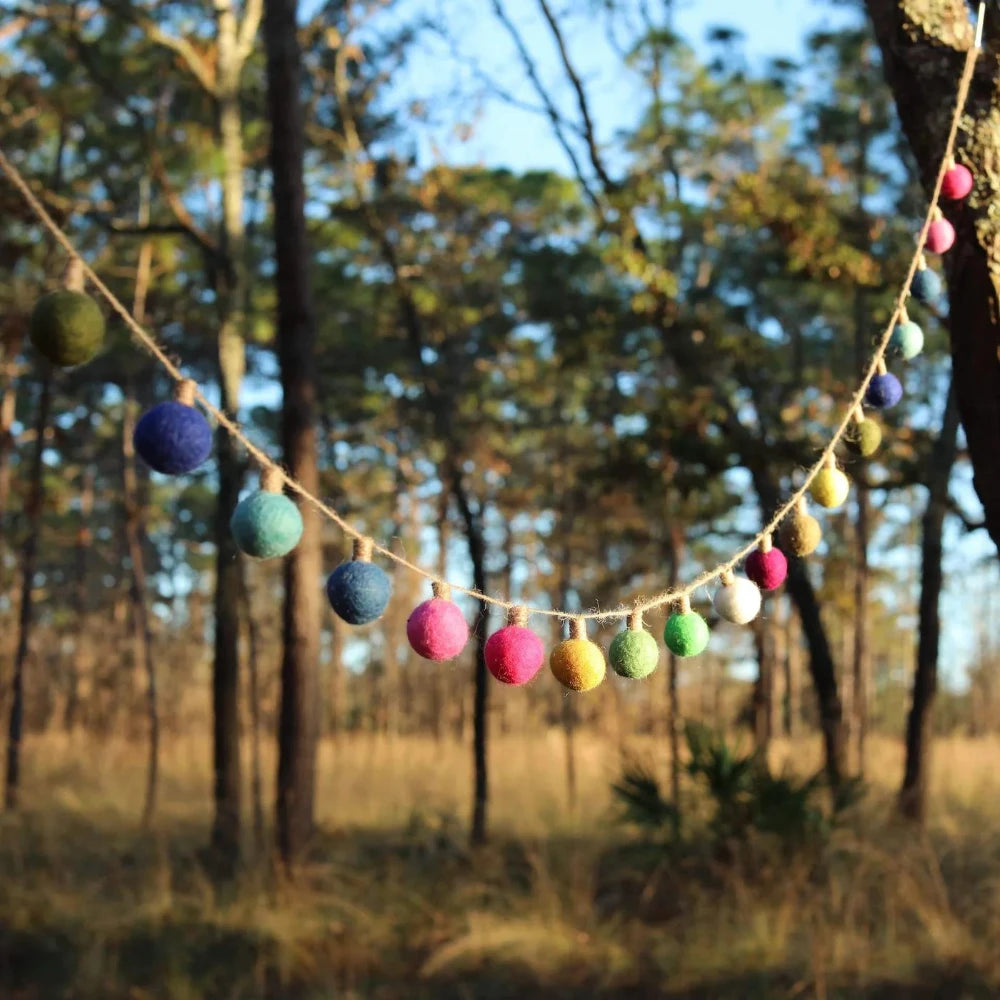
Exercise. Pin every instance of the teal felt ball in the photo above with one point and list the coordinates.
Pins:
(266, 525)
(634, 654)
(907, 339)
(686, 633)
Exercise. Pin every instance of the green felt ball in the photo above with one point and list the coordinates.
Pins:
(864, 437)
(686, 633)
(908, 339)
(634, 654)
(266, 525)
(66, 327)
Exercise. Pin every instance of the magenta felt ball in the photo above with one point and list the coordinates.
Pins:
(437, 630)
(940, 236)
(767, 569)
(514, 654)
(957, 183)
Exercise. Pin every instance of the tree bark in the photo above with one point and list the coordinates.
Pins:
(923, 43)
(29, 556)
(298, 719)
(253, 664)
(919, 729)
(81, 641)
(231, 362)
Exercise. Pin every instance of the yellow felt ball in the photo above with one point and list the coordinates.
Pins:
(830, 487)
(578, 664)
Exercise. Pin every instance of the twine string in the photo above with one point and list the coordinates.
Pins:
(275, 478)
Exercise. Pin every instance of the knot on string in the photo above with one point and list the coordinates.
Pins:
(684, 604)
(517, 615)
(363, 549)
(766, 542)
(727, 577)
(184, 391)
(441, 590)
(635, 620)
(272, 479)
(577, 628)
(73, 275)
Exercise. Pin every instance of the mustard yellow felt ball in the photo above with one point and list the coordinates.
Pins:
(830, 487)
(801, 534)
(578, 664)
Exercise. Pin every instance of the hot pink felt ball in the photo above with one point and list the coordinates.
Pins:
(767, 569)
(957, 183)
(437, 630)
(940, 236)
(514, 654)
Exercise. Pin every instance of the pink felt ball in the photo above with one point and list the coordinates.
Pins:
(437, 630)
(514, 654)
(940, 236)
(957, 183)
(767, 569)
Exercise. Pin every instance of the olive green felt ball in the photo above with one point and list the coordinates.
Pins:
(864, 437)
(686, 633)
(634, 654)
(801, 534)
(830, 487)
(578, 664)
(66, 327)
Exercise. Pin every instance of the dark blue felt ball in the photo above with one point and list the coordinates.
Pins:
(883, 391)
(358, 591)
(926, 286)
(173, 438)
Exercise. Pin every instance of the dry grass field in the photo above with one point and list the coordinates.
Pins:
(564, 902)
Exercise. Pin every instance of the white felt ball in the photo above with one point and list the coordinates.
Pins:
(738, 601)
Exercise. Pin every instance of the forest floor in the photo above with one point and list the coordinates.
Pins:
(563, 902)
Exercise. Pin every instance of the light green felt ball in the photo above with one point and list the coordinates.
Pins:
(908, 339)
(864, 437)
(686, 633)
(634, 654)
(66, 327)
(266, 525)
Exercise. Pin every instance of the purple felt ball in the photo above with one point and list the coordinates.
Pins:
(514, 654)
(940, 236)
(173, 438)
(883, 391)
(767, 569)
(957, 183)
(437, 630)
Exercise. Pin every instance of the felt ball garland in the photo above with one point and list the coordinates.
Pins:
(738, 599)
(358, 590)
(940, 234)
(686, 632)
(956, 183)
(174, 437)
(514, 654)
(633, 652)
(830, 487)
(437, 629)
(884, 390)
(577, 663)
(926, 286)
(801, 533)
(266, 524)
(864, 437)
(907, 338)
(767, 567)
(67, 326)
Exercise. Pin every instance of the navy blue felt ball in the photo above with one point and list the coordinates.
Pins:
(173, 438)
(926, 286)
(358, 591)
(883, 390)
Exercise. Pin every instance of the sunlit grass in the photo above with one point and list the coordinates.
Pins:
(393, 903)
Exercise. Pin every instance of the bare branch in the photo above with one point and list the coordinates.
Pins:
(249, 25)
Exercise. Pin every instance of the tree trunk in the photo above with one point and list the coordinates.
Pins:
(253, 664)
(29, 556)
(793, 677)
(919, 730)
(8, 409)
(81, 640)
(472, 519)
(675, 553)
(923, 43)
(763, 687)
(298, 720)
(142, 636)
(231, 360)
